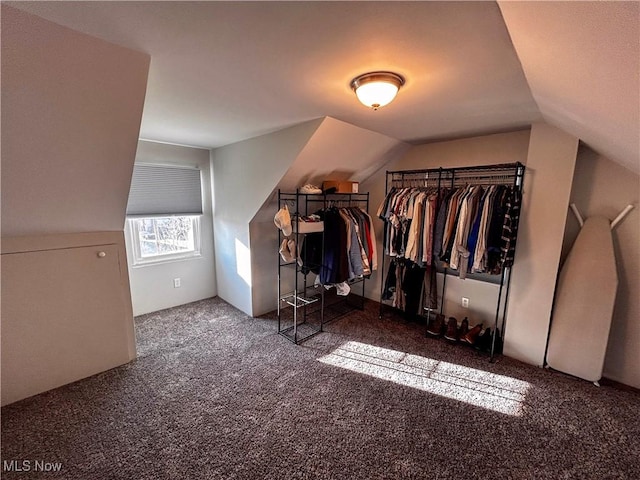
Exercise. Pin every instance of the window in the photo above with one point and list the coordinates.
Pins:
(164, 208)
(158, 239)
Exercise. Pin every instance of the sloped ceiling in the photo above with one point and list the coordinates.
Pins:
(341, 151)
(222, 72)
(582, 63)
(69, 133)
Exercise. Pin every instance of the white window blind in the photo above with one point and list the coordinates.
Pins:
(164, 189)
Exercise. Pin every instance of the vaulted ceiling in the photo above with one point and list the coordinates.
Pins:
(226, 71)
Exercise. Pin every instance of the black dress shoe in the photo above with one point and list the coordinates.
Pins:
(484, 341)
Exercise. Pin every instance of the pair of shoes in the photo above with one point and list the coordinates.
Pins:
(471, 337)
(436, 328)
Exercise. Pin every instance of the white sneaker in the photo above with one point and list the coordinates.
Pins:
(310, 189)
(343, 289)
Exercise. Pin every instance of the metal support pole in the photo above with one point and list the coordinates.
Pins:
(384, 248)
(279, 271)
(495, 325)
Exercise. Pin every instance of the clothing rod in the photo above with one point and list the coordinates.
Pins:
(499, 173)
(320, 200)
(475, 173)
(485, 178)
(501, 166)
(459, 182)
(320, 195)
(416, 178)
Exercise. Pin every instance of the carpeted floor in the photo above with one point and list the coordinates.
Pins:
(215, 394)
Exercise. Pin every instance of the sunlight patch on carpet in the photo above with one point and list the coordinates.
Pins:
(476, 387)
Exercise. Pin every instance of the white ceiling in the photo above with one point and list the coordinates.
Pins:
(226, 71)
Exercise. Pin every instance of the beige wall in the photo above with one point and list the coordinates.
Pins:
(152, 285)
(244, 175)
(71, 112)
(550, 164)
(602, 187)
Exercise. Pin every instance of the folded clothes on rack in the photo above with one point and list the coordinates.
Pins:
(309, 224)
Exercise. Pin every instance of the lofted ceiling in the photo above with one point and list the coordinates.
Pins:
(582, 63)
(222, 72)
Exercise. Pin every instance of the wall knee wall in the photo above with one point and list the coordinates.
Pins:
(547, 186)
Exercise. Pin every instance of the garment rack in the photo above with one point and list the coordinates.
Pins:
(509, 174)
(300, 298)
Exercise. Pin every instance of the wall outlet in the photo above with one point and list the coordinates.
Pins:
(465, 302)
(176, 283)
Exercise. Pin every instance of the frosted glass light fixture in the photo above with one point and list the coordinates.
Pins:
(377, 89)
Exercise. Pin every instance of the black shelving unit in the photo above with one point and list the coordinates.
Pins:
(509, 174)
(310, 308)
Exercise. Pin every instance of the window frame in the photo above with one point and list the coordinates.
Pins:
(134, 232)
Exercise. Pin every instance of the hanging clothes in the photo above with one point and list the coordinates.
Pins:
(467, 229)
(494, 237)
(468, 210)
(408, 215)
(478, 257)
(510, 228)
(349, 246)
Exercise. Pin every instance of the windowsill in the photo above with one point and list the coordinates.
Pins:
(163, 261)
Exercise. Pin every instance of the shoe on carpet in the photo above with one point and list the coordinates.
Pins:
(464, 328)
(484, 341)
(472, 335)
(452, 330)
(436, 327)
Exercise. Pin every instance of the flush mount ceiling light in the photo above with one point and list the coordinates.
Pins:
(377, 89)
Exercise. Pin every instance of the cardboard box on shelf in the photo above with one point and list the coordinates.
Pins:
(340, 186)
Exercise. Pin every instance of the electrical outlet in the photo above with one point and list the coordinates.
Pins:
(465, 302)
(176, 283)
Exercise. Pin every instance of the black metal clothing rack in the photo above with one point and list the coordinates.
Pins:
(303, 204)
(509, 174)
